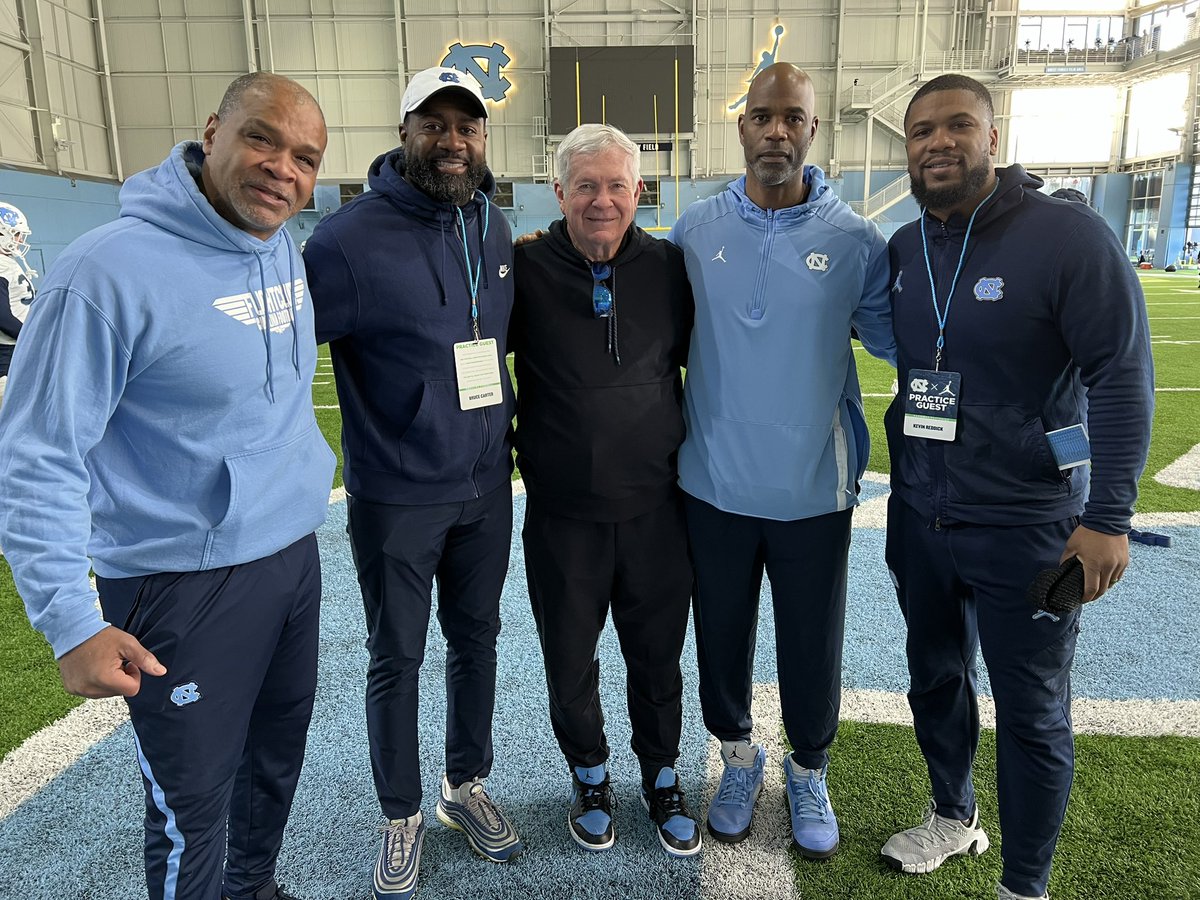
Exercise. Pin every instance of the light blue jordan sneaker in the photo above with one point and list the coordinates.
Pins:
(814, 826)
(732, 809)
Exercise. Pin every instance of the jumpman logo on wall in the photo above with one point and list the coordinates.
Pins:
(768, 59)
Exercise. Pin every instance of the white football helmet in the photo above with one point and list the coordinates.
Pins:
(14, 231)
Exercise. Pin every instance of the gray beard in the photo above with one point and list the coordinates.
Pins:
(950, 197)
(772, 176)
(456, 189)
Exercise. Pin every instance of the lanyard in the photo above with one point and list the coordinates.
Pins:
(942, 316)
(473, 277)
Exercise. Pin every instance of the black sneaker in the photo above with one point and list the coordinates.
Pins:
(590, 818)
(678, 830)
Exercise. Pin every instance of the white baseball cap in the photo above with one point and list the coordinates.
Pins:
(425, 84)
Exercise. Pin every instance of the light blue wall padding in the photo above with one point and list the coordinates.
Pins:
(58, 209)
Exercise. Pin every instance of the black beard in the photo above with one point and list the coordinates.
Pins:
(955, 195)
(456, 189)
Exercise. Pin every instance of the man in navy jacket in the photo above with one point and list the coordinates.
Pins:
(412, 288)
(1007, 304)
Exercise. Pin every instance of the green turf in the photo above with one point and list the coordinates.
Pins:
(31, 696)
(1131, 828)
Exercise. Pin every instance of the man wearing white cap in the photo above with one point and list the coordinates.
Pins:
(412, 290)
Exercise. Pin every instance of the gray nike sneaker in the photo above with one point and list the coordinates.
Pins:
(922, 849)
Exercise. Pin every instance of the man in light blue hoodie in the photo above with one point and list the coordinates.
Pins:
(160, 429)
(776, 444)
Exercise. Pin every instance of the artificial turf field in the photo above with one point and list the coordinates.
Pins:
(1132, 827)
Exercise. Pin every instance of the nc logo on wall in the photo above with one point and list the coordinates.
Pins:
(471, 59)
(768, 59)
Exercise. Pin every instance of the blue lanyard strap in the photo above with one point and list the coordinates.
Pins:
(943, 315)
(473, 277)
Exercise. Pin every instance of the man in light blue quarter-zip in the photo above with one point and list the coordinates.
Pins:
(776, 444)
(159, 422)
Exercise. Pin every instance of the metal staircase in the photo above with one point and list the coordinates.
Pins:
(883, 199)
(861, 100)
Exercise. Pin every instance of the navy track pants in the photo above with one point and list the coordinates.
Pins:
(960, 588)
(220, 737)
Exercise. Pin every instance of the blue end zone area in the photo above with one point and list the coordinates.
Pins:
(81, 837)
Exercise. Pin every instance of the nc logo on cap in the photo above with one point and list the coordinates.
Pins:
(449, 76)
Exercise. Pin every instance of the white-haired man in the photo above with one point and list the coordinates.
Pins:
(600, 329)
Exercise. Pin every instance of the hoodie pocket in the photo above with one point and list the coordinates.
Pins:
(1001, 456)
(277, 495)
(443, 442)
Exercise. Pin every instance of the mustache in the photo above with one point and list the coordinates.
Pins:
(268, 189)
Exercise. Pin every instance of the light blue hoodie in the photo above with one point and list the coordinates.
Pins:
(775, 426)
(159, 414)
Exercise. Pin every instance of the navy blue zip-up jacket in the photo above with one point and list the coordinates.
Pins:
(391, 293)
(1047, 305)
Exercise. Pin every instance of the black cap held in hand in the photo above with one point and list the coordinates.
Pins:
(1060, 590)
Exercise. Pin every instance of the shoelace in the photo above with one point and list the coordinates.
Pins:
(932, 831)
(735, 786)
(591, 796)
(400, 839)
(670, 803)
(480, 805)
(811, 801)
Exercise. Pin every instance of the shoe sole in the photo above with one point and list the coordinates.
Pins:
(444, 818)
(976, 848)
(725, 838)
(607, 845)
(816, 855)
(673, 851)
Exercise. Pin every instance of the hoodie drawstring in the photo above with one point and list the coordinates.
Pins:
(473, 277)
(293, 310)
(266, 325)
(442, 278)
(289, 309)
(612, 322)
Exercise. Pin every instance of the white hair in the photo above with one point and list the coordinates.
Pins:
(589, 140)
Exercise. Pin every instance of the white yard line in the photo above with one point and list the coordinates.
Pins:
(1184, 472)
(33, 765)
(1132, 718)
(761, 865)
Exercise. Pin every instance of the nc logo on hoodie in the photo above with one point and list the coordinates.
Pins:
(277, 311)
(991, 289)
(185, 694)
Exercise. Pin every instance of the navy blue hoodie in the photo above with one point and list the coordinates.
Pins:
(1046, 305)
(390, 290)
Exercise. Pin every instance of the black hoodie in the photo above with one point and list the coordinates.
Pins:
(599, 416)
(389, 285)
